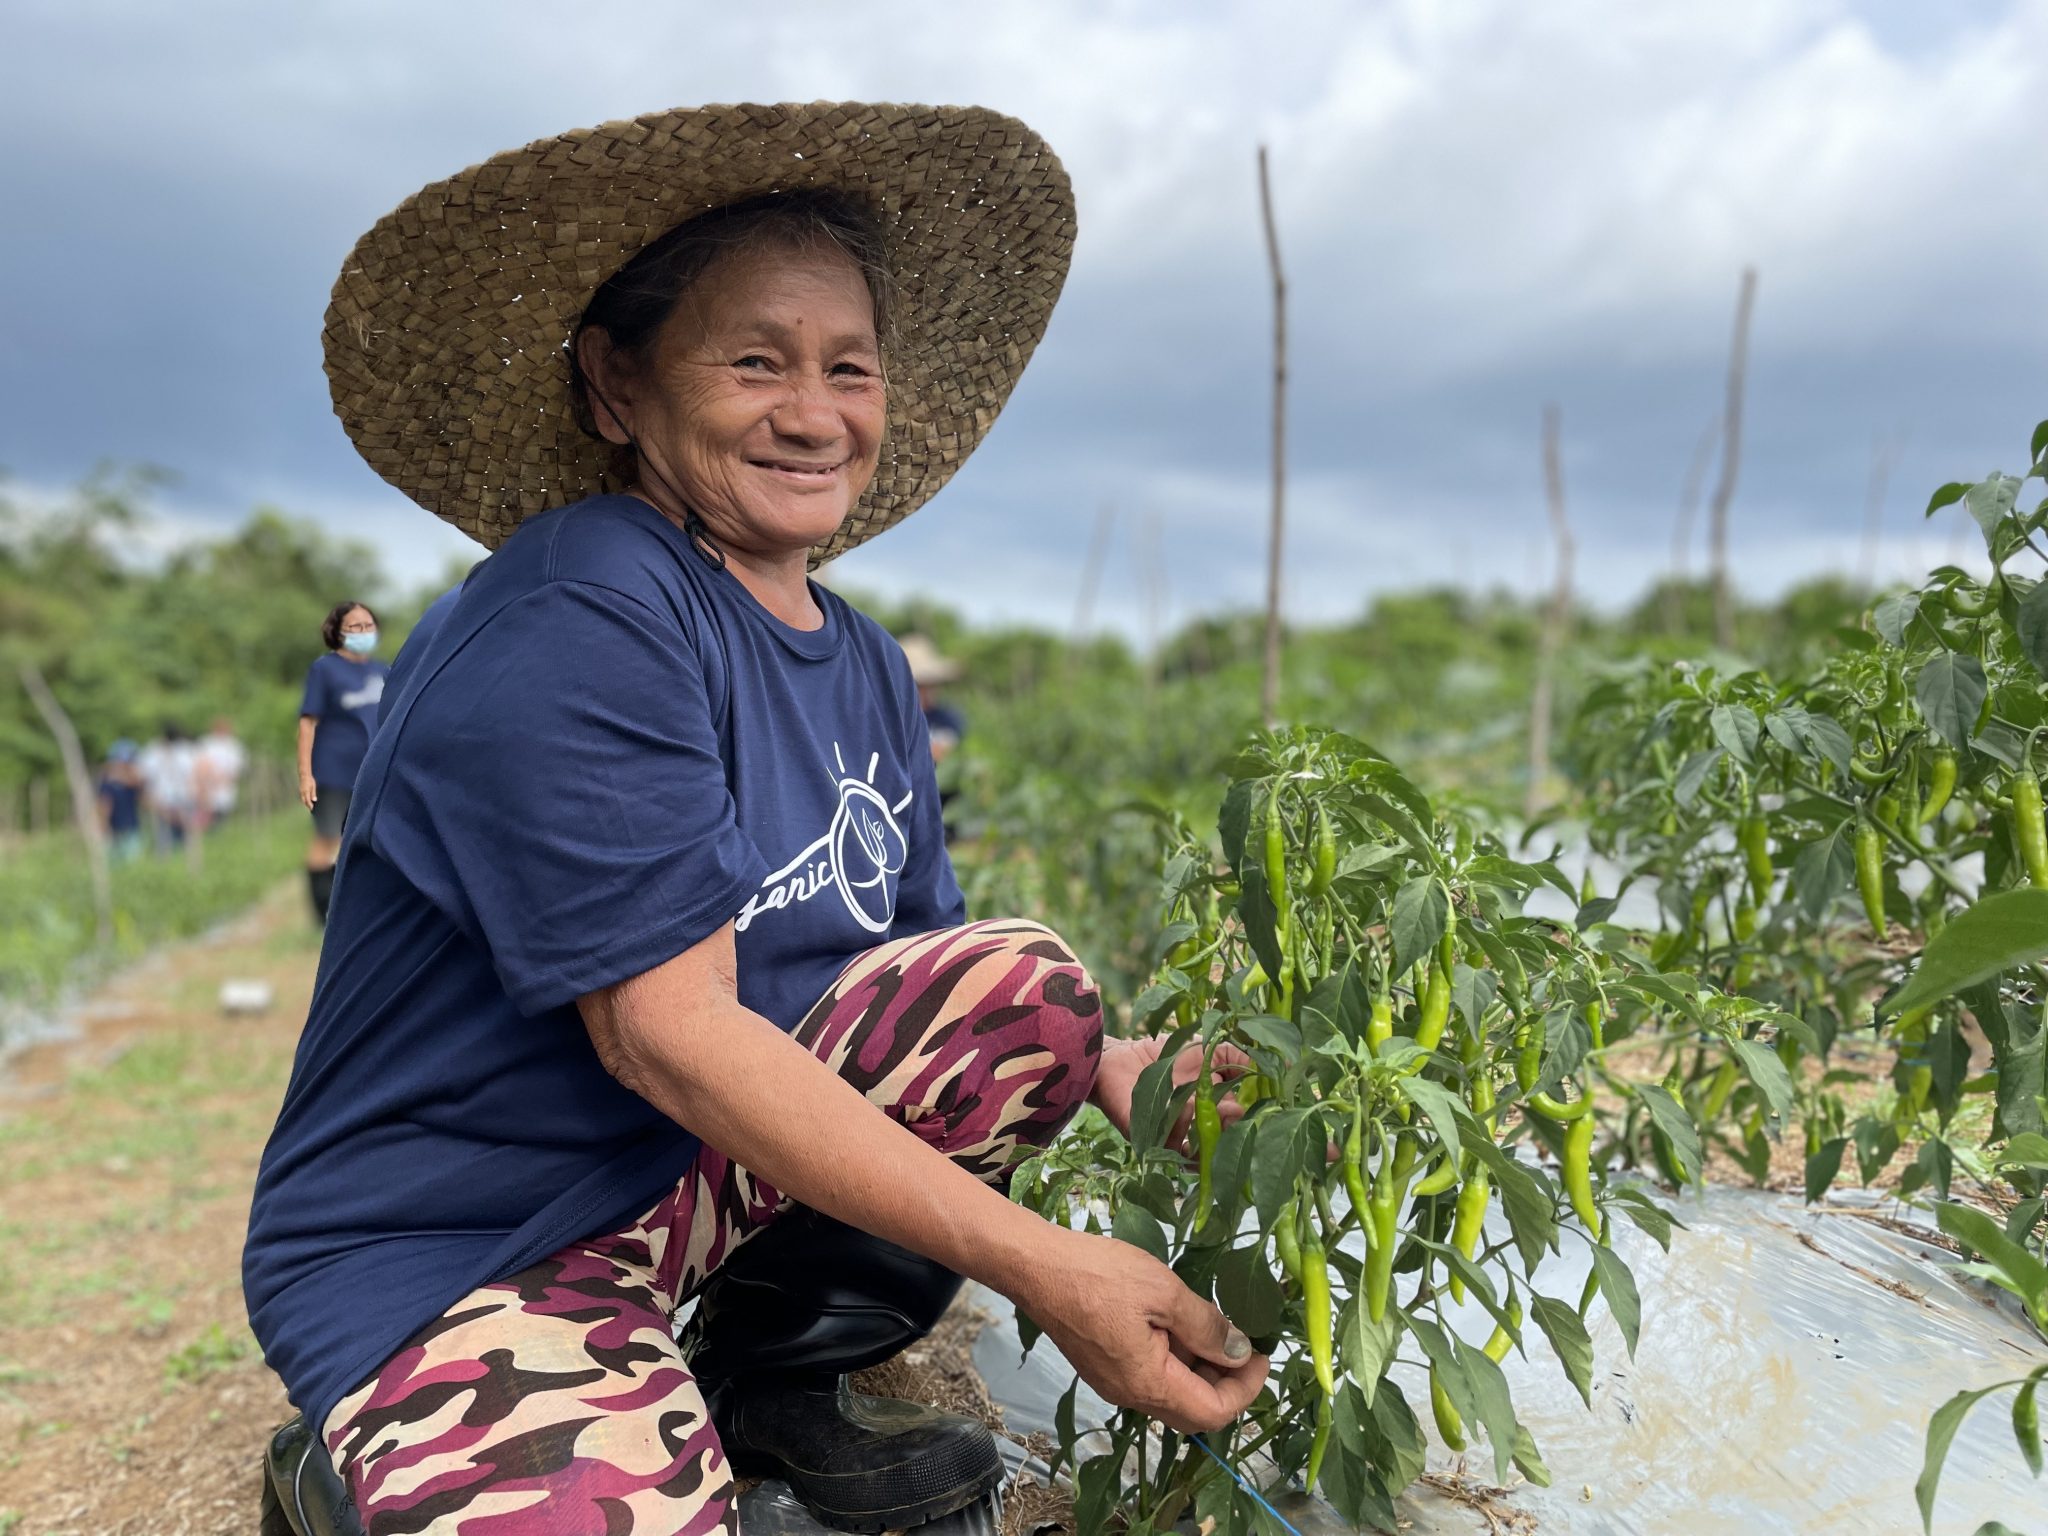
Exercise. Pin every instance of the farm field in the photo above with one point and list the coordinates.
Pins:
(1770, 913)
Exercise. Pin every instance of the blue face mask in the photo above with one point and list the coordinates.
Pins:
(360, 645)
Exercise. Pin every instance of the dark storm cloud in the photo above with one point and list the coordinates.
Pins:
(1485, 207)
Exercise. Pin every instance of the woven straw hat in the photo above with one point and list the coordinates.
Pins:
(928, 665)
(444, 338)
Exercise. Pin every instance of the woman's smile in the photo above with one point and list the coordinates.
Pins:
(802, 474)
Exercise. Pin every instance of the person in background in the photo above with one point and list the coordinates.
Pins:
(120, 798)
(932, 671)
(169, 768)
(336, 719)
(222, 761)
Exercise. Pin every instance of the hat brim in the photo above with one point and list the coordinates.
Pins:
(444, 337)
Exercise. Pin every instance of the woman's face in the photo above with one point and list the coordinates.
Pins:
(762, 403)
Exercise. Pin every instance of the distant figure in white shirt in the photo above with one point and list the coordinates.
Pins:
(222, 761)
(170, 786)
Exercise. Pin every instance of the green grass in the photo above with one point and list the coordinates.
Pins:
(214, 1350)
(47, 936)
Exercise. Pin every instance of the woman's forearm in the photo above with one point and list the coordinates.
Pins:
(746, 1088)
(307, 725)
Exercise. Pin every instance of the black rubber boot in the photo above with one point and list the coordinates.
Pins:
(776, 1329)
(320, 885)
(302, 1493)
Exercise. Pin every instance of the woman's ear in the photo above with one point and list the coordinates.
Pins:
(609, 381)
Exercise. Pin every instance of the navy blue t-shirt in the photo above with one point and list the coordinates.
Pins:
(606, 751)
(342, 698)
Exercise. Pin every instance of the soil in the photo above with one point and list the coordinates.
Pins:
(132, 1398)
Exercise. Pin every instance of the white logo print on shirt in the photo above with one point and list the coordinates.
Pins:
(372, 692)
(855, 856)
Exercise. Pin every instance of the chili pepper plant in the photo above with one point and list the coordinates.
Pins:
(1420, 1052)
(1862, 847)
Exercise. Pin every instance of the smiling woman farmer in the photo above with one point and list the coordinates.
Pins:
(648, 978)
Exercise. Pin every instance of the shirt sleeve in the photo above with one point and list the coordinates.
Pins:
(314, 702)
(557, 788)
(928, 895)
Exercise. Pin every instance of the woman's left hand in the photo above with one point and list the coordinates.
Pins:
(1122, 1060)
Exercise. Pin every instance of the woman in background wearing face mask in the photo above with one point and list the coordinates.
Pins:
(343, 690)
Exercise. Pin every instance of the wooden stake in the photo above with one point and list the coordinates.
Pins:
(1091, 573)
(1556, 621)
(1681, 532)
(1731, 461)
(1884, 452)
(84, 803)
(1269, 690)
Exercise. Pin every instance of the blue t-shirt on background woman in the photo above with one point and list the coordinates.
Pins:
(341, 698)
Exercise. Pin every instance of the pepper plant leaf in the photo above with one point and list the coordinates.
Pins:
(1492, 1405)
(1823, 870)
(2033, 626)
(1366, 1347)
(1950, 691)
(1421, 910)
(1562, 1325)
(1737, 728)
(1941, 1434)
(1670, 1117)
(1998, 934)
(1761, 1063)
(1619, 1287)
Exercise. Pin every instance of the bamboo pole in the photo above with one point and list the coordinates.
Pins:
(1884, 452)
(1681, 531)
(1731, 461)
(84, 803)
(1556, 620)
(1269, 689)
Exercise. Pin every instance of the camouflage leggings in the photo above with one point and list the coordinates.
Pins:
(554, 1402)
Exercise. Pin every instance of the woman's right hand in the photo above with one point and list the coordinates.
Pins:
(309, 792)
(1138, 1335)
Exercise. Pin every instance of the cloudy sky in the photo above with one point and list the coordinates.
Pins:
(1484, 205)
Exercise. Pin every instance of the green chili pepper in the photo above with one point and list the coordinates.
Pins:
(1438, 1179)
(1286, 1243)
(1578, 1170)
(1865, 771)
(1276, 855)
(1887, 808)
(1319, 1444)
(1529, 1054)
(1354, 1170)
(1379, 1028)
(1468, 1223)
(1389, 1186)
(2028, 824)
(1208, 1130)
(1250, 1089)
(1596, 1023)
(1448, 1424)
(1870, 874)
(1723, 1084)
(1436, 1008)
(1558, 1110)
(1324, 869)
(1755, 837)
(1941, 783)
(1499, 1342)
(1315, 1309)
(1745, 919)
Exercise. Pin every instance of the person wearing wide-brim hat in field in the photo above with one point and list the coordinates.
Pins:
(648, 977)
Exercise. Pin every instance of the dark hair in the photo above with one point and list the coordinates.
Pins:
(635, 302)
(330, 627)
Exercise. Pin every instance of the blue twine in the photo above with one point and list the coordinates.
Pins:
(1247, 1487)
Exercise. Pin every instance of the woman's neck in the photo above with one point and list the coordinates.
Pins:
(779, 580)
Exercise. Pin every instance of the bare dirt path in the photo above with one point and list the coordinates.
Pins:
(131, 1396)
